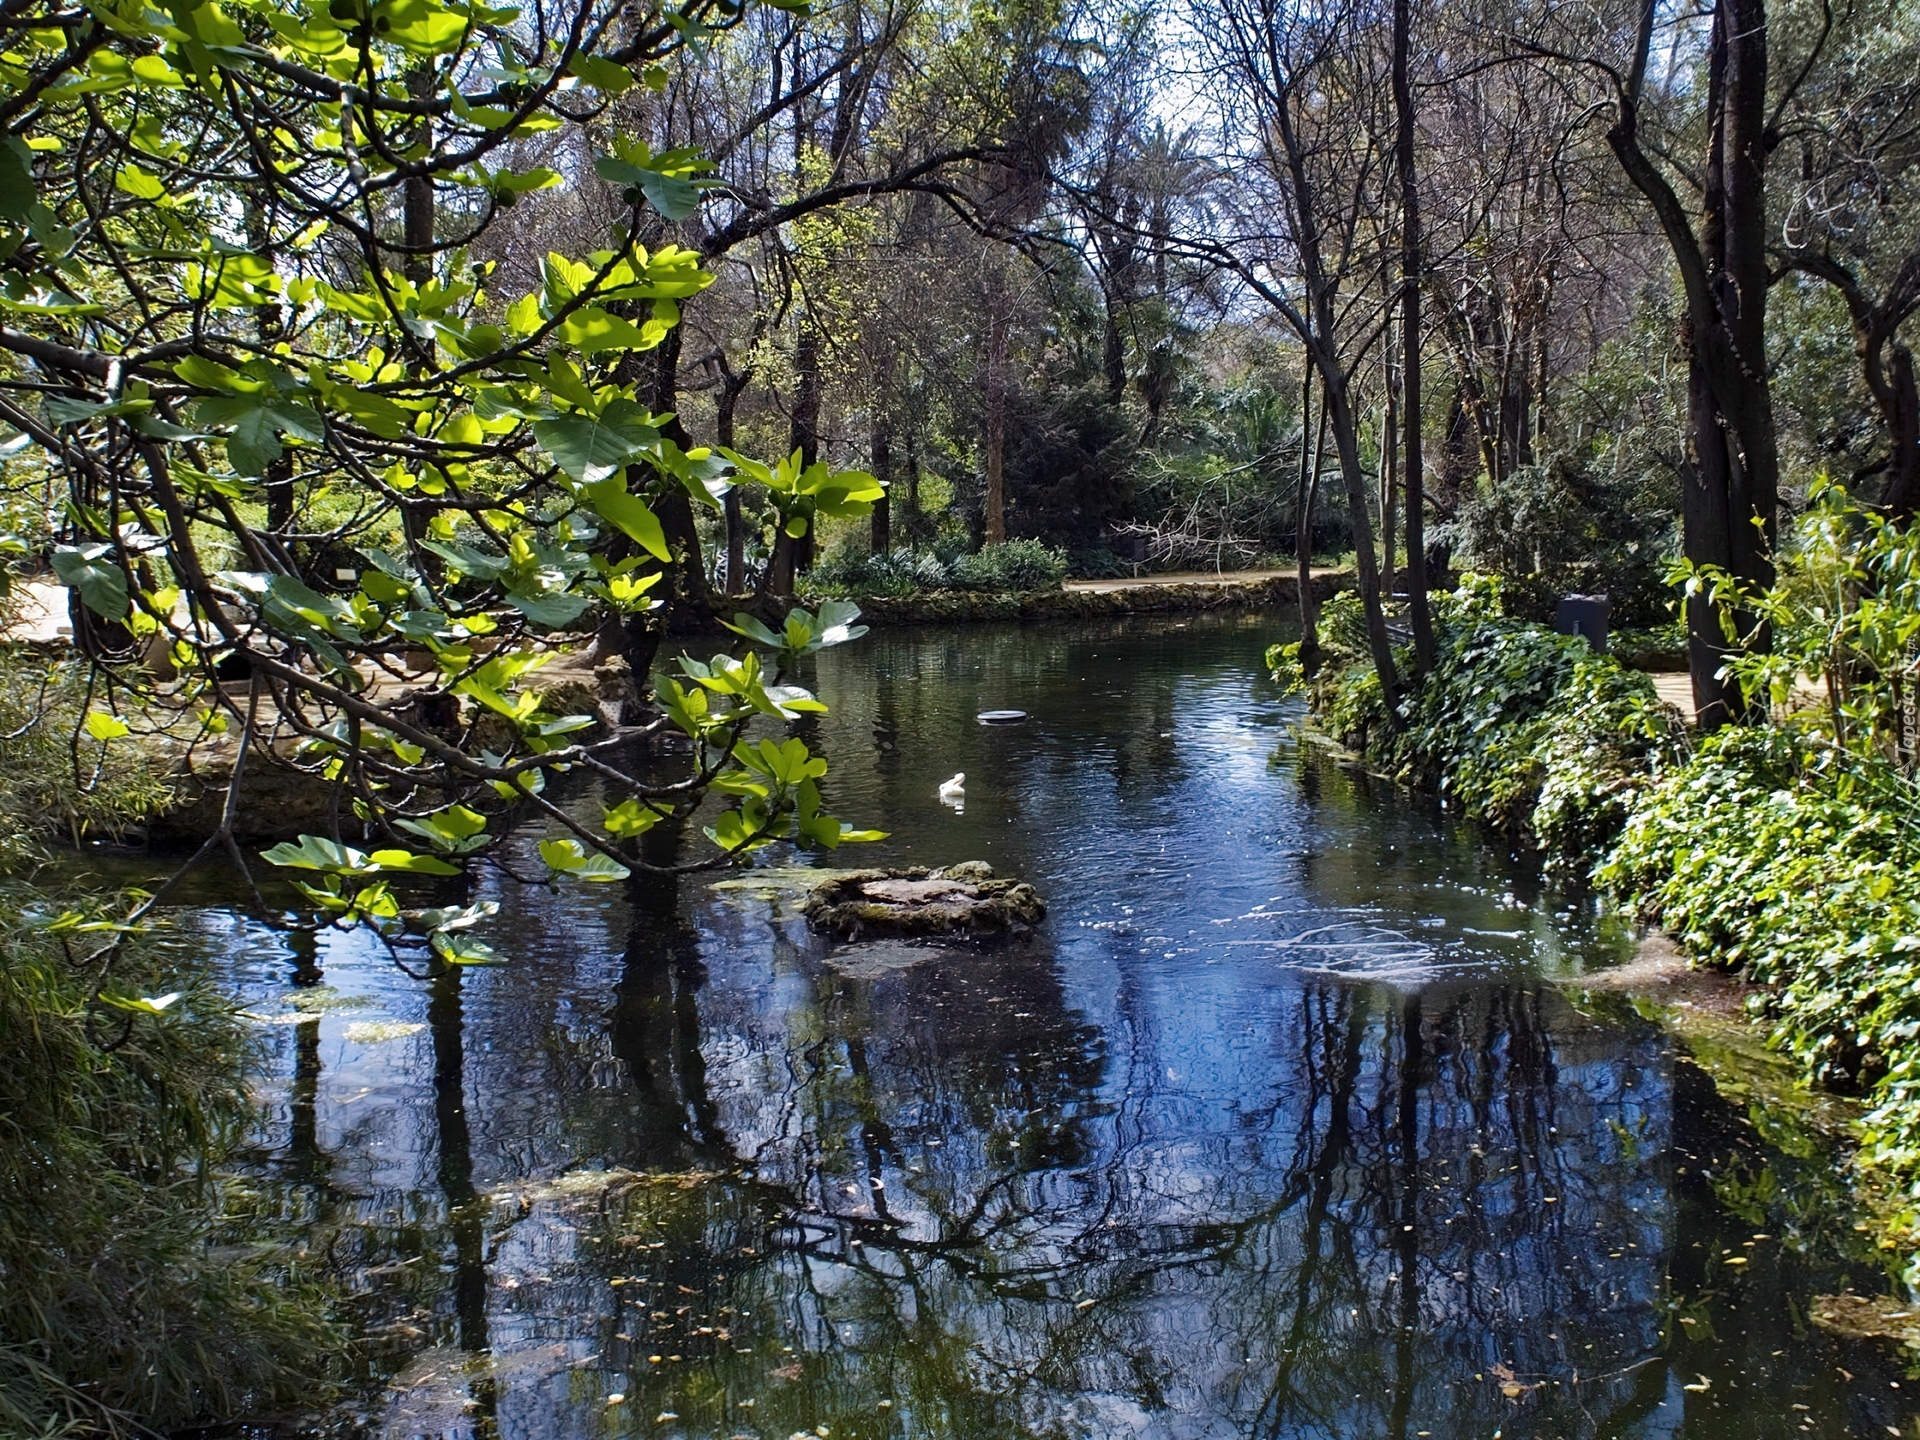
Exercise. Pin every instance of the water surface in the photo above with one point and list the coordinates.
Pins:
(1283, 1124)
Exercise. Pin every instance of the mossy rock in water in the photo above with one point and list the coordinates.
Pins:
(965, 899)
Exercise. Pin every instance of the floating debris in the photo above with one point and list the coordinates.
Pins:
(1867, 1316)
(373, 1032)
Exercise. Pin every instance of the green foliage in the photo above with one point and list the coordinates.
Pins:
(1792, 849)
(1013, 567)
(219, 350)
(1567, 527)
(66, 771)
(116, 1314)
(1524, 729)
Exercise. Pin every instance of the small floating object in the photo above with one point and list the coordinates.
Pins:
(954, 789)
(1001, 717)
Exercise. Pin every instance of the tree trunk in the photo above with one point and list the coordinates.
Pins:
(995, 509)
(1903, 420)
(1304, 497)
(675, 509)
(1346, 444)
(1414, 482)
(1114, 354)
(883, 472)
(1731, 499)
(913, 487)
(804, 435)
(734, 582)
(416, 191)
(1389, 472)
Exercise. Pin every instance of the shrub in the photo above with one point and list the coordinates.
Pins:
(1014, 565)
(1519, 727)
(1017, 565)
(860, 572)
(1563, 528)
(116, 1314)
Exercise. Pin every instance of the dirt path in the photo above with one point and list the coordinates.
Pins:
(1189, 577)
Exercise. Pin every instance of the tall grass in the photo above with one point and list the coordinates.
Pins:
(126, 1305)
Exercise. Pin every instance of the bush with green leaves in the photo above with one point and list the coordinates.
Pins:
(855, 570)
(1524, 729)
(1013, 566)
(1570, 527)
(1791, 849)
(62, 777)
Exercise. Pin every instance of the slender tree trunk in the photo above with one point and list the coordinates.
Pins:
(995, 515)
(881, 454)
(913, 486)
(732, 387)
(416, 192)
(1903, 416)
(1346, 444)
(1410, 340)
(804, 434)
(675, 509)
(1304, 497)
(1114, 353)
(1389, 471)
(883, 472)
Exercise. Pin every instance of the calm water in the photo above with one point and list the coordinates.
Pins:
(1280, 1126)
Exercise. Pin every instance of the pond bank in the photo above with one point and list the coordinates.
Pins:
(1097, 600)
(1759, 854)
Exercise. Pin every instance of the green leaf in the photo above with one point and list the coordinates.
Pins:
(591, 329)
(589, 448)
(601, 73)
(253, 443)
(140, 184)
(745, 624)
(316, 852)
(617, 505)
(630, 818)
(673, 196)
(456, 830)
(91, 570)
(408, 863)
(553, 609)
(565, 857)
(458, 949)
(103, 727)
(143, 1005)
(17, 193)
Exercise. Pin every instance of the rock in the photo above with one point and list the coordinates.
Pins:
(964, 899)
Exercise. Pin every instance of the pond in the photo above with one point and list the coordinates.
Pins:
(1284, 1123)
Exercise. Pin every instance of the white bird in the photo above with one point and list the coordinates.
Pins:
(954, 789)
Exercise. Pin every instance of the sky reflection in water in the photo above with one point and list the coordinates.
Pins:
(1279, 1127)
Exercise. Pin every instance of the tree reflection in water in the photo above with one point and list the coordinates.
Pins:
(1326, 1156)
(1423, 1211)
